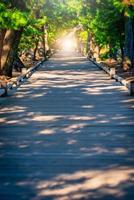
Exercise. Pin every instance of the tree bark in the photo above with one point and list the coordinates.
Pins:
(18, 64)
(10, 51)
(2, 35)
(88, 42)
(7, 46)
(35, 50)
(9, 43)
(129, 40)
(44, 42)
(121, 48)
(19, 4)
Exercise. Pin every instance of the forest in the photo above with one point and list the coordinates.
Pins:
(30, 29)
(66, 99)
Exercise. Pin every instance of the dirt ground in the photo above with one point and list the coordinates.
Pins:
(124, 73)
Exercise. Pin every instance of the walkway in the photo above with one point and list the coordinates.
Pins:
(67, 134)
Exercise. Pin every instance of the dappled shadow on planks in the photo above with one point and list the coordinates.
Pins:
(67, 134)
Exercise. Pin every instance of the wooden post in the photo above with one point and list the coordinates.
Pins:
(4, 87)
(112, 72)
(131, 87)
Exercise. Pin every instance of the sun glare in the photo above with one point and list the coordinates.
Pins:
(68, 44)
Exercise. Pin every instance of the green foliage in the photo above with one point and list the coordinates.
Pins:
(12, 18)
(104, 19)
(104, 56)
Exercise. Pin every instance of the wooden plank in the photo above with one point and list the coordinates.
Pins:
(67, 133)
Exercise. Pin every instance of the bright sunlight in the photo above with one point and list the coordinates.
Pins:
(69, 44)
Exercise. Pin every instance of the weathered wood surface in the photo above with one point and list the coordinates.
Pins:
(67, 133)
(128, 83)
(15, 82)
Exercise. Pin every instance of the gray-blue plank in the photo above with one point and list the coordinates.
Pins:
(67, 134)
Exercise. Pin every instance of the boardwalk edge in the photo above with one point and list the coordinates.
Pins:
(20, 79)
(129, 84)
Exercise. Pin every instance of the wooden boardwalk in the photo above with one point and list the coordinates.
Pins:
(67, 134)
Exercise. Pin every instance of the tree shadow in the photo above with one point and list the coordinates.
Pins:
(67, 134)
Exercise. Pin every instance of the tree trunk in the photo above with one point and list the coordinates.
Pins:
(44, 42)
(19, 4)
(35, 50)
(121, 48)
(129, 41)
(7, 46)
(9, 41)
(18, 64)
(2, 35)
(97, 52)
(88, 42)
(10, 51)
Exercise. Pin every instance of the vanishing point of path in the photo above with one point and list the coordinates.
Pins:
(67, 134)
